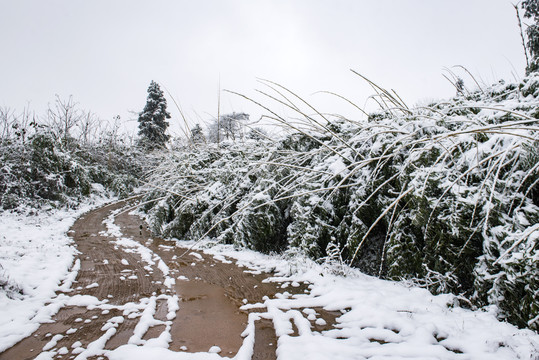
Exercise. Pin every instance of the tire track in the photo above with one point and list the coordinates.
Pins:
(133, 288)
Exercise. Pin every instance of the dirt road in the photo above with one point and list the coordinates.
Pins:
(133, 288)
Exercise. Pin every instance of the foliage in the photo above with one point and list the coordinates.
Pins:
(445, 195)
(40, 165)
(531, 11)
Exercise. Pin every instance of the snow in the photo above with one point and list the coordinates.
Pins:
(380, 319)
(169, 282)
(52, 343)
(222, 259)
(197, 255)
(173, 304)
(337, 166)
(93, 285)
(36, 257)
(95, 348)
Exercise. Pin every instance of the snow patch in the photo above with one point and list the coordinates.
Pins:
(37, 260)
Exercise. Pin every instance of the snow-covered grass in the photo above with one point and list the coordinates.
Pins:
(36, 260)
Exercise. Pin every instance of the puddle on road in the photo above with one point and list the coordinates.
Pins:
(206, 318)
(265, 341)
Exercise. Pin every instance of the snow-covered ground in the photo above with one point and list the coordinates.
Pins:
(381, 319)
(36, 258)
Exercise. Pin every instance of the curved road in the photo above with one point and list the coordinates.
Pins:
(134, 288)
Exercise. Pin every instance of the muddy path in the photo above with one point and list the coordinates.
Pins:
(133, 288)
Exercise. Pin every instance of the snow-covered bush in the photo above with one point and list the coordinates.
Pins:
(44, 169)
(445, 195)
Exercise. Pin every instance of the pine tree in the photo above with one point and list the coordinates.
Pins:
(197, 135)
(531, 11)
(153, 119)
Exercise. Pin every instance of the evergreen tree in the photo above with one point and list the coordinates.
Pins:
(531, 11)
(153, 119)
(197, 135)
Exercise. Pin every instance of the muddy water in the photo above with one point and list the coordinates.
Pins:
(209, 311)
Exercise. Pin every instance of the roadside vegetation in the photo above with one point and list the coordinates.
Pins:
(445, 196)
(62, 156)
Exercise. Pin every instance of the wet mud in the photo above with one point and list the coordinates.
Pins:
(210, 294)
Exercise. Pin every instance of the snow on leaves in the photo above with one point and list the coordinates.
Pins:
(444, 195)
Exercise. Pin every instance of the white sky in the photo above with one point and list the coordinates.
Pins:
(105, 53)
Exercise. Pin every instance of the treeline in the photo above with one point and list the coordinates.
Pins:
(59, 157)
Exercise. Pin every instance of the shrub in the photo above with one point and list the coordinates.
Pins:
(444, 195)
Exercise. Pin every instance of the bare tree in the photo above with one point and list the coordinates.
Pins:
(112, 133)
(88, 125)
(228, 126)
(16, 127)
(7, 119)
(63, 116)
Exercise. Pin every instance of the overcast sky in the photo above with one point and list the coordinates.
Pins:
(105, 53)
